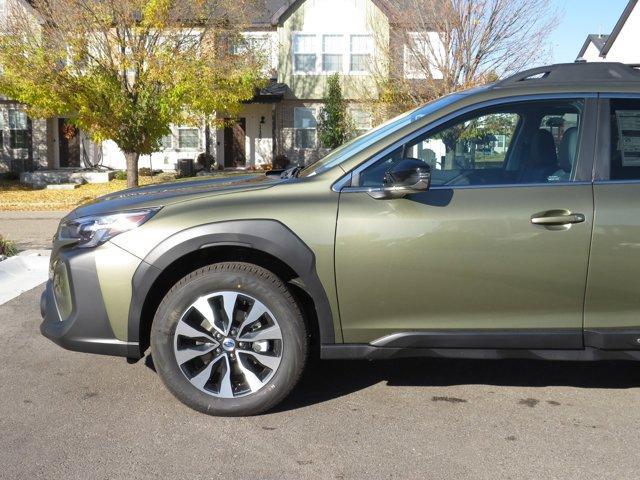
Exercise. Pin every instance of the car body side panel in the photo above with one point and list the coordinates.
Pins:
(267, 236)
(465, 258)
(308, 209)
(613, 286)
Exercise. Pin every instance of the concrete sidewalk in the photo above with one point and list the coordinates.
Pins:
(30, 230)
(22, 273)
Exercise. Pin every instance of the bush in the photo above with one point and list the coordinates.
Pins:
(280, 162)
(144, 172)
(334, 126)
(205, 161)
(9, 176)
(121, 175)
(7, 247)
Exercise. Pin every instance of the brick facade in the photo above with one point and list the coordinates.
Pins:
(285, 133)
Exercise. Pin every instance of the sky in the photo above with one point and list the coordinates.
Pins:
(578, 18)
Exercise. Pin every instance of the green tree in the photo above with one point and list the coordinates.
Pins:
(334, 124)
(125, 70)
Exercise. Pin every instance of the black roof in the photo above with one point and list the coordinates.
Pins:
(575, 75)
(269, 13)
(268, 10)
(271, 93)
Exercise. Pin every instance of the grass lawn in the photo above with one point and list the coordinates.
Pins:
(15, 196)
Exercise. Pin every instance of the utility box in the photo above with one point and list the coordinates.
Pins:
(186, 167)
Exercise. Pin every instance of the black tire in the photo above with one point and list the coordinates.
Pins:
(246, 279)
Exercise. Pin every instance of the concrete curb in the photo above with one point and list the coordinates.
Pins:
(23, 272)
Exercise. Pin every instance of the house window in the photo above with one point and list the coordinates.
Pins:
(18, 129)
(305, 124)
(189, 42)
(188, 138)
(166, 142)
(304, 53)
(249, 42)
(361, 48)
(420, 55)
(361, 120)
(332, 49)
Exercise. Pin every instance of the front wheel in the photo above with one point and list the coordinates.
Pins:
(229, 339)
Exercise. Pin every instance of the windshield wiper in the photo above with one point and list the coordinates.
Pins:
(292, 172)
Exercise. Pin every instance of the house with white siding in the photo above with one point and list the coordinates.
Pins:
(622, 45)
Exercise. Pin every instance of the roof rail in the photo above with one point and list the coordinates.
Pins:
(574, 74)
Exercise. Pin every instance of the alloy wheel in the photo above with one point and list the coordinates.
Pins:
(228, 344)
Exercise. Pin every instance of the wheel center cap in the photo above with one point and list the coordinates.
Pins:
(229, 344)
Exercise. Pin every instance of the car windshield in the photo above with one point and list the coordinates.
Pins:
(352, 147)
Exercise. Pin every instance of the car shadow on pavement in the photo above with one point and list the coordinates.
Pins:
(328, 380)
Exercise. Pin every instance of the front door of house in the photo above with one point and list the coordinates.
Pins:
(68, 144)
(234, 144)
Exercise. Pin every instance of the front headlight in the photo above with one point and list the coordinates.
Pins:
(93, 231)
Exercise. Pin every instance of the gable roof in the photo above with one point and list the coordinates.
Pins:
(271, 13)
(261, 15)
(597, 40)
(265, 16)
(616, 30)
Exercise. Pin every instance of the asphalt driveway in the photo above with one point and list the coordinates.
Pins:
(75, 416)
(30, 230)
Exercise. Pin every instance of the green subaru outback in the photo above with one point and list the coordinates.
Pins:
(499, 222)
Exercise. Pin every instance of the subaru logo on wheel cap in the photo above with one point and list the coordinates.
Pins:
(228, 344)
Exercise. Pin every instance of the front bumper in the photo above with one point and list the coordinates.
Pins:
(87, 328)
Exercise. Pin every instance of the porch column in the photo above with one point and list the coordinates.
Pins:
(274, 136)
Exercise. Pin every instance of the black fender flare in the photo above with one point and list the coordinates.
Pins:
(268, 236)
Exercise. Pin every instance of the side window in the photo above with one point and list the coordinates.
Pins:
(305, 127)
(625, 140)
(18, 129)
(523, 143)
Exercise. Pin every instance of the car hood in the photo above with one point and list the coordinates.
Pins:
(166, 193)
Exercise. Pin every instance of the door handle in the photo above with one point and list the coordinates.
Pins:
(557, 218)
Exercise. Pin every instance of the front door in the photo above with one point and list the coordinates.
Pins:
(234, 144)
(494, 255)
(68, 144)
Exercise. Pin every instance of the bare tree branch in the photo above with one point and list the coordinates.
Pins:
(442, 46)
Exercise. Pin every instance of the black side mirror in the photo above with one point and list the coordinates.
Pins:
(409, 175)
